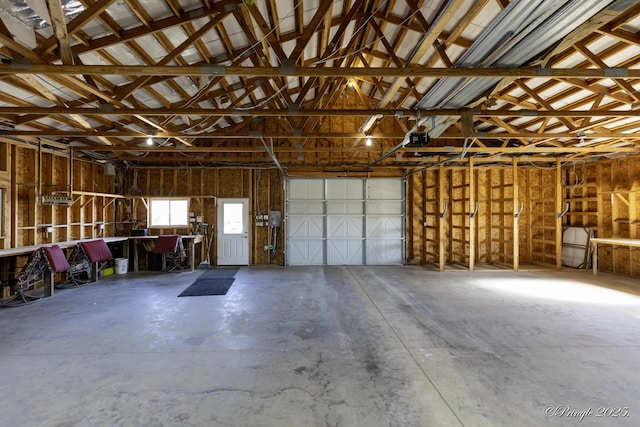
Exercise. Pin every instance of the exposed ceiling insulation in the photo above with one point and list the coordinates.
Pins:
(303, 84)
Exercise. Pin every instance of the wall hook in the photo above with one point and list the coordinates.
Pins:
(566, 209)
(446, 206)
(516, 215)
(475, 211)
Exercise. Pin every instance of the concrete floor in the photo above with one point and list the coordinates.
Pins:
(333, 346)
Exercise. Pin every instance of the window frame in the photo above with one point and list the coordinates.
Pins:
(152, 201)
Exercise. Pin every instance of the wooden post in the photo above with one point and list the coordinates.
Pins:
(595, 258)
(441, 201)
(515, 224)
(559, 209)
(600, 209)
(472, 219)
(13, 238)
(36, 205)
(489, 214)
(529, 216)
(254, 209)
(69, 212)
(425, 232)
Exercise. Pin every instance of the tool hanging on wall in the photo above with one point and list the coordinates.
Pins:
(208, 239)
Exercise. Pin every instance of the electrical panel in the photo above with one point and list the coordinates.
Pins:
(262, 220)
(275, 218)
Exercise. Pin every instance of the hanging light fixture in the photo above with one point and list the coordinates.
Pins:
(368, 141)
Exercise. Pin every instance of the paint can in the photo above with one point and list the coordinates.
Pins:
(122, 265)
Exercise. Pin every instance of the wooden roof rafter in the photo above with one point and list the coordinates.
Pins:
(91, 12)
(286, 71)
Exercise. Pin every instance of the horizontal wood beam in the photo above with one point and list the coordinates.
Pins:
(220, 134)
(28, 67)
(424, 150)
(258, 112)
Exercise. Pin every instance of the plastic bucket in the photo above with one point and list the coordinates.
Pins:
(122, 265)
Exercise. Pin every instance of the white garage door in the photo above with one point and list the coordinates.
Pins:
(345, 221)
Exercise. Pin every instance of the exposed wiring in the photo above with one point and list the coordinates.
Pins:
(253, 107)
(578, 183)
(541, 167)
(258, 42)
(466, 148)
(99, 156)
(366, 46)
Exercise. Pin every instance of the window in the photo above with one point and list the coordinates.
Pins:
(169, 213)
(233, 218)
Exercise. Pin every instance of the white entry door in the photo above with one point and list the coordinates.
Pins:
(233, 232)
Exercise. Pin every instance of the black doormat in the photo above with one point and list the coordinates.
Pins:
(219, 272)
(208, 286)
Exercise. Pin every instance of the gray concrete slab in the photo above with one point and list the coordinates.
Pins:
(327, 346)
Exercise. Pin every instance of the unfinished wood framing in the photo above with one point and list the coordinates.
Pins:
(440, 202)
(44, 224)
(478, 227)
(543, 215)
(499, 224)
(605, 197)
(203, 187)
(504, 170)
(210, 100)
(443, 214)
(433, 206)
(459, 208)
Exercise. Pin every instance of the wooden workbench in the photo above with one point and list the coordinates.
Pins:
(27, 250)
(617, 241)
(194, 240)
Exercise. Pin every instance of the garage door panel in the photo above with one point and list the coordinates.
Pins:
(385, 251)
(385, 188)
(306, 252)
(344, 252)
(308, 207)
(345, 207)
(305, 189)
(345, 221)
(345, 189)
(305, 227)
(384, 207)
(344, 227)
(384, 227)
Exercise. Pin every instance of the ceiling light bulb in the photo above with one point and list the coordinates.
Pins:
(368, 142)
(149, 140)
